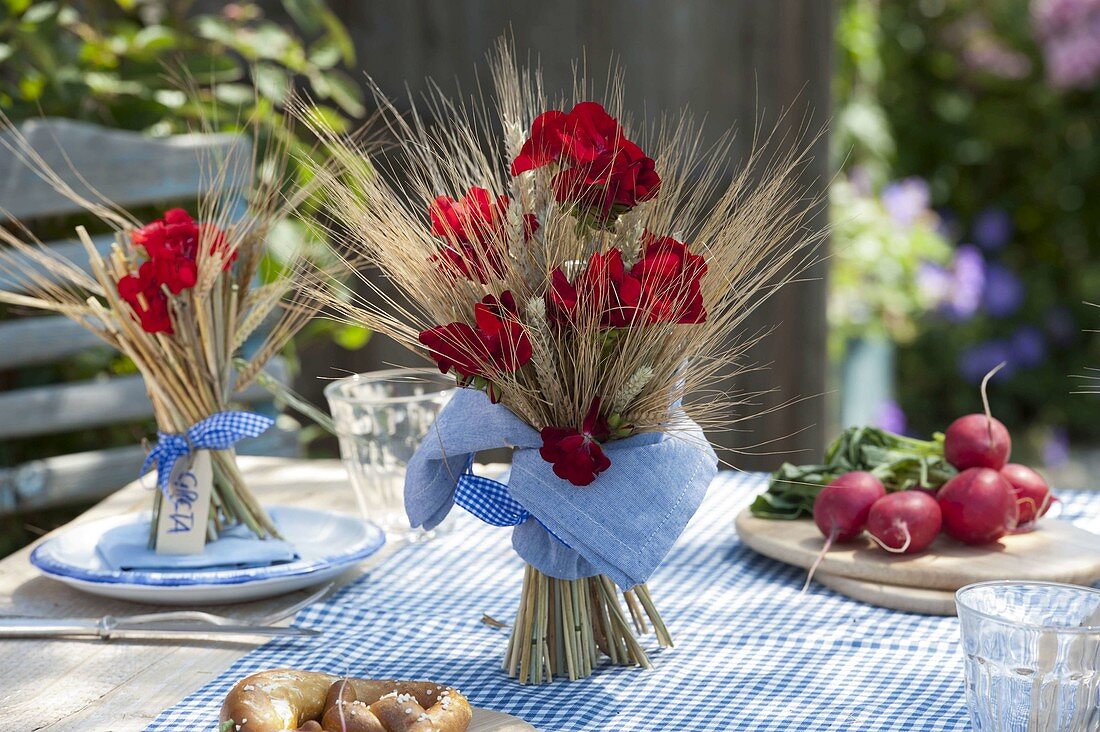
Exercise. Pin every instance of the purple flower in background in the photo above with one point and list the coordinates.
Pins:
(890, 417)
(934, 282)
(969, 280)
(1027, 347)
(1060, 325)
(1069, 33)
(981, 49)
(954, 292)
(906, 200)
(992, 229)
(976, 361)
(1004, 291)
(1056, 448)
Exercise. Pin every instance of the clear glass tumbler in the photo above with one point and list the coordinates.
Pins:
(380, 418)
(1032, 654)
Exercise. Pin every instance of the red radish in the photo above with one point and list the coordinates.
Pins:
(905, 522)
(978, 440)
(1032, 492)
(978, 506)
(840, 510)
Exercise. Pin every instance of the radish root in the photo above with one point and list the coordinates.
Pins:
(1025, 502)
(817, 562)
(1026, 526)
(900, 550)
(1046, 504)
(985, 396)
(1038, 510)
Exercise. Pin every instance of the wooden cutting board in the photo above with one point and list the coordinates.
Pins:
(486, 720)
(1057, 551)
(895, 597)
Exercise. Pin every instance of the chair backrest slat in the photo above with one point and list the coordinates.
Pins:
(44, 410)
(128, 168)
(70, 249)
(37, 341)
(77, 477)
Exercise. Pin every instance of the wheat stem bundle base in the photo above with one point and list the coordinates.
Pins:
(564, 627)
(234, 502)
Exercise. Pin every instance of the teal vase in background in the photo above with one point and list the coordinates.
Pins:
(866, 380)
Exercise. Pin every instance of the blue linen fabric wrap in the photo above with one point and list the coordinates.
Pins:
(621, 525)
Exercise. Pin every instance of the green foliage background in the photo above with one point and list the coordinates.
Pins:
(912, 103)
(110, 61)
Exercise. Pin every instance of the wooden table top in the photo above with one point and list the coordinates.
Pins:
(95, 685)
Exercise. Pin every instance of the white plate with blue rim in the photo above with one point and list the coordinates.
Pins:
(326, 543)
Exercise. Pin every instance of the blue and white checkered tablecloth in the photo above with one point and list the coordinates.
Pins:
(751, 653)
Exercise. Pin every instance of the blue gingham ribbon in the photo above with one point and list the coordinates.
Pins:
(489, 500)
(217, 432)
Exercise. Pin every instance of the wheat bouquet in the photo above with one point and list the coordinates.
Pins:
(180, 296)
(580, 282)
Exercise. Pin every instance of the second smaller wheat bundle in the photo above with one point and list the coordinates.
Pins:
(180, 296)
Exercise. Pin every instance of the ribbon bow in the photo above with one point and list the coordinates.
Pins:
(217, 432)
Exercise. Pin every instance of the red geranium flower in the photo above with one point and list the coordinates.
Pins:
(670, 278)
(545, 145)
(580, 136)
(615, 182)
(496, 343)
(178, 273)
(561, 298)
(590, 132)
(474, 229)
(662, 287)
(456, 346)
(576, 454)
(143, 293)
(472, 219)
(172, 243)
(604, 291)
(499, 327)
(604, 173)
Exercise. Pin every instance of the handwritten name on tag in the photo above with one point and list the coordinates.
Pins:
(181, 528)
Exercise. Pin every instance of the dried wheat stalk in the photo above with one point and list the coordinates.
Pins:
(751, 225)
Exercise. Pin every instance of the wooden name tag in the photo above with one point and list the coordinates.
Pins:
(181, 528)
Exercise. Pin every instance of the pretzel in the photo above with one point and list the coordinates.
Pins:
(306, 701)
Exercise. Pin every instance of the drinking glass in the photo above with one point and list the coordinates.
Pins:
(380, 418)
(1032, 655)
